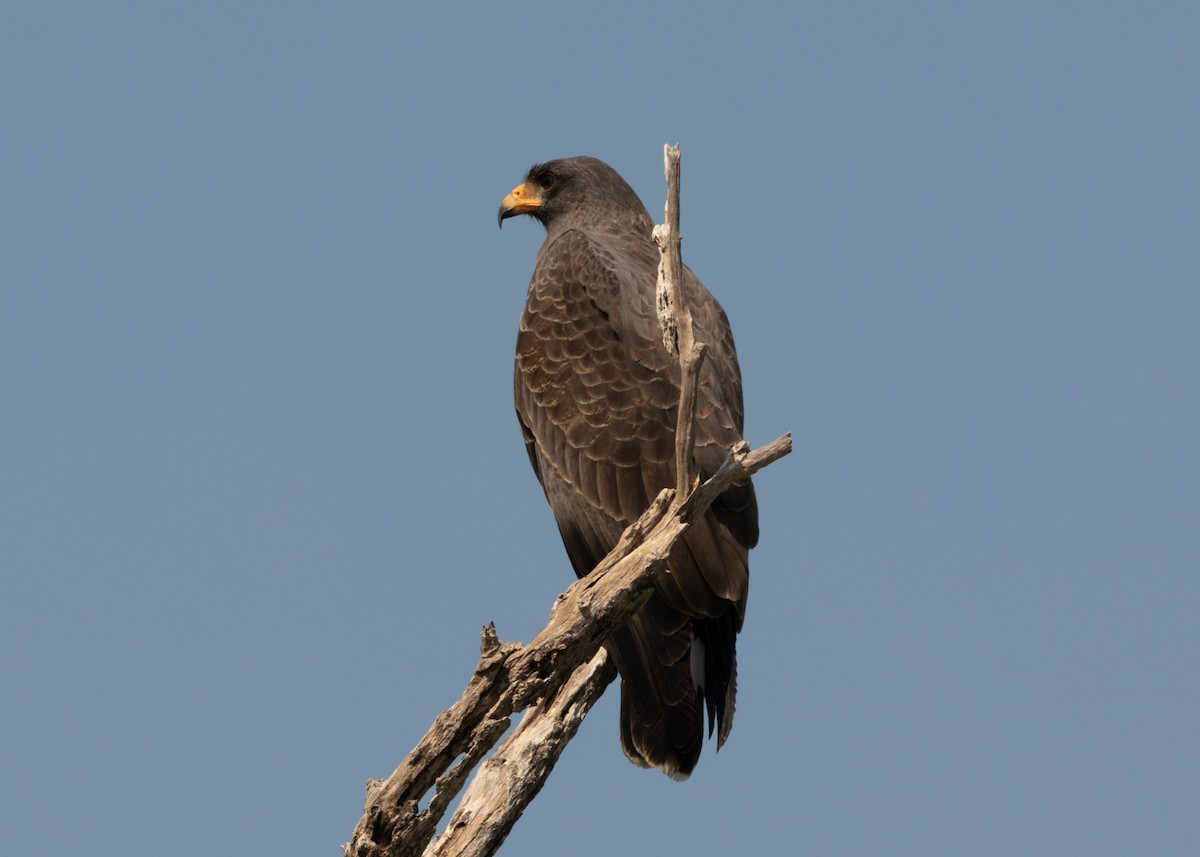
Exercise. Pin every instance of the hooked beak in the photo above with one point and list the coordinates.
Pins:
(522, 200)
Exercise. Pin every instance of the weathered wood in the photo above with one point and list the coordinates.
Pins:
(673, 314)
(516, 772)
(675, 319)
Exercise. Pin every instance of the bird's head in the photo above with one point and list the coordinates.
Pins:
(536, 195)
(579, 190)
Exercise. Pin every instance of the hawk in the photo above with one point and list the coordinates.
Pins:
(596, 395)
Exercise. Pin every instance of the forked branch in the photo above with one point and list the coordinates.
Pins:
(561, 673)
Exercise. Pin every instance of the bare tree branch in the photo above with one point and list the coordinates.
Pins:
(675, 318)
(516, 772)
(560, 674)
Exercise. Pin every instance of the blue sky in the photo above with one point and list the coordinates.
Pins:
(262, 483)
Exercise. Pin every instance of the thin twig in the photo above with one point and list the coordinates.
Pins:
(675, 318)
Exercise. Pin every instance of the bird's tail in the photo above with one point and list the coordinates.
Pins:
(662, 707)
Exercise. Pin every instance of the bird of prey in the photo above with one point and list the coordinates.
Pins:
(596, 395)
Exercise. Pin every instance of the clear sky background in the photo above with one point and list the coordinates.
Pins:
(261, 482)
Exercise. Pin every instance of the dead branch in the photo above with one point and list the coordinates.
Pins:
(516, 772)
(675, 318)
(560, 674)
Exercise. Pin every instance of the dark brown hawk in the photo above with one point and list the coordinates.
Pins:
(596, 395)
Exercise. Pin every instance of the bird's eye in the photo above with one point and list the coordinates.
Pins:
(546, 180)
